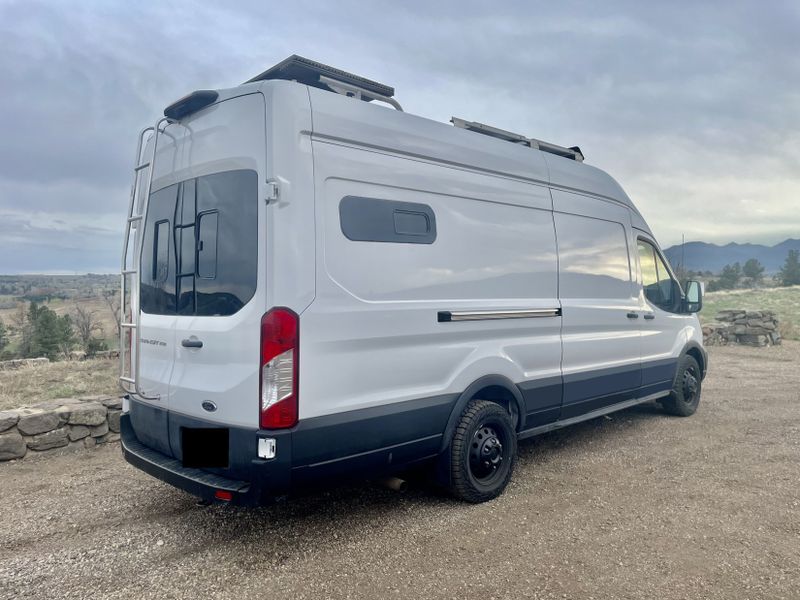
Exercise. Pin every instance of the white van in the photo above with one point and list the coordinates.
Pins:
(321, 285)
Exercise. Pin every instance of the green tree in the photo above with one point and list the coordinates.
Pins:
(754, 271)
(790, 272)
(3, 336)
(49, 334)
(730, 276)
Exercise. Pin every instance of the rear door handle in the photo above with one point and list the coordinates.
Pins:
(633, 315)
(649, 316)
(192, 343)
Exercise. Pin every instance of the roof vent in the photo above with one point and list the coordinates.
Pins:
(315, 74)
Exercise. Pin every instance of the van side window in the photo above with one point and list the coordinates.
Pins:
(593, 258)
(375, 220)
(659, 287)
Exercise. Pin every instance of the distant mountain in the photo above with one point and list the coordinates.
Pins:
(702, 256)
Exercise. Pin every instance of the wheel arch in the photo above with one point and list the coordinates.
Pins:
(697, 352)
(494, 388)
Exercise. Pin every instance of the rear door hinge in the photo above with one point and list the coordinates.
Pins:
(272, 191)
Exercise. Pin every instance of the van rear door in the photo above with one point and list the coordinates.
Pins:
(220, 280)
(215, 375)
(156, 298)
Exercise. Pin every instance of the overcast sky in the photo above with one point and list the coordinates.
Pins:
(694, 110)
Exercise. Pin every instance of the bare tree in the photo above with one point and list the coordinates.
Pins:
(86, 325)
(112, 300)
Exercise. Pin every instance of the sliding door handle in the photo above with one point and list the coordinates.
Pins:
(649, 316)
(633, 315)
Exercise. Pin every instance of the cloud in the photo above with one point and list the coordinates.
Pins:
(690, 106)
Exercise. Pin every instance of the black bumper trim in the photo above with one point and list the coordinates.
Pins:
(195, 481)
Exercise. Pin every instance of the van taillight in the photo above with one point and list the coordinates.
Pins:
(279, 368)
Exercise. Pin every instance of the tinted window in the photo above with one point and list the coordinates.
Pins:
(374, 220)
(207, 246)
(659, 287)
(232, 197)
(200, 246)
(593, 258)
(157, 285)
(161, 252)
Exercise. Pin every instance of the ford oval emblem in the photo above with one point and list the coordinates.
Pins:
(209, 406)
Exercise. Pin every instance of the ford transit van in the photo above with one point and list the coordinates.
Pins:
(318, 285)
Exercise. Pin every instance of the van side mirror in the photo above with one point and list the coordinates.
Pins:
(693, 300)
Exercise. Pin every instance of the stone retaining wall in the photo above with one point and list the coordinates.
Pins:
(18, 363)
(748, 327)
(63, 423)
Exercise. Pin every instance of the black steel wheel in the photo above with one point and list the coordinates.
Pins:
(482, 452)
(685, 395)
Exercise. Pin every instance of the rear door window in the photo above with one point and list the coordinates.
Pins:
(200, 246)
(157, 281)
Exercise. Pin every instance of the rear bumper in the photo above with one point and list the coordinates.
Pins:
(251, 481)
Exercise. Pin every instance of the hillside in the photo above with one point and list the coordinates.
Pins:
(703, 256)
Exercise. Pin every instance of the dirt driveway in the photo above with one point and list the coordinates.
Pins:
(639, 505)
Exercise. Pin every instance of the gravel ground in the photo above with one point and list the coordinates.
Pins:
(639, 505)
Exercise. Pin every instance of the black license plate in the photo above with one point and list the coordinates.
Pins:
(204, 448)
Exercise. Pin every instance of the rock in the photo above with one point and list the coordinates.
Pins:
(8, 418)
(112, 437)
(12, 445)
(52, 439)
(90, 413)
(89, 442)
(752, 340)
(78, 432)
(113, 403)
(113, 420)
(100, 430)
(36, 421)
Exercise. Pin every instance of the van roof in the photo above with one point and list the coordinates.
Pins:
(338, 117)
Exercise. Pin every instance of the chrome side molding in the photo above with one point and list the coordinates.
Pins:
(446, 316)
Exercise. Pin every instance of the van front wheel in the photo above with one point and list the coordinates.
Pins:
(685, 395)
(482, 452)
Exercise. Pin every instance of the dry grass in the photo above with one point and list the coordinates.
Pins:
(784, 301)
(67, 307)
(67, 379)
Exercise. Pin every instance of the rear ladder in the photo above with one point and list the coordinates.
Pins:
(131, 319)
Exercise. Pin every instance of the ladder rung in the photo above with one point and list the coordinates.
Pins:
(128, 325)
(127, 380)
(135, 218)
(130, 271)
(141, 166)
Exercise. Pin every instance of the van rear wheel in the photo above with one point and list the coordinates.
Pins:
(482, 452)
(685, 395)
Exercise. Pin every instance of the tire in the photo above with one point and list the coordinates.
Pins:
(685, 395)
(482, 452)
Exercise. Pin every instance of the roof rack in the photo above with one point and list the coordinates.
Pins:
(316, 74)
(573, 152)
